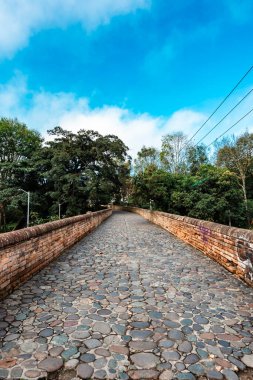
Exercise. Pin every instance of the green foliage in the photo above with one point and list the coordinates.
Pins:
(212, 194)
(85, 170)
(147, 157)
(237, 155)
(153, 184)
(220, 197)
(17, 145)
(196, 156)
(80, 171)
(35, 218)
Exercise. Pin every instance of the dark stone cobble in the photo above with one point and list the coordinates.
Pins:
(130, 301)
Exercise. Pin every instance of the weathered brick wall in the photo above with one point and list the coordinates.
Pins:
(231, 247)
(23, 253)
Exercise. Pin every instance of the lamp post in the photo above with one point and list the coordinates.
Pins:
(59, 210)
(28, 207)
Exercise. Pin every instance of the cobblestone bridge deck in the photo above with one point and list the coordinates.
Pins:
(130, 301)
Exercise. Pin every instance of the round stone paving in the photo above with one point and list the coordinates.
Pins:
(130, 301)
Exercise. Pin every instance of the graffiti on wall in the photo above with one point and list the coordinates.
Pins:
(205, 233)
(245, 256)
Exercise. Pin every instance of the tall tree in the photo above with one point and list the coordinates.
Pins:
(237, 156)
(173, 153)
(17, 146)
(85, 168)
(147, 156)
(196, 156)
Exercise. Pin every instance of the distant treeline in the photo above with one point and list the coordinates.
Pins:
(76, 172)
(215, 185)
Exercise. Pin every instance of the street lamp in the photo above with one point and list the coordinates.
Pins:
(28, 207)
(59, 210)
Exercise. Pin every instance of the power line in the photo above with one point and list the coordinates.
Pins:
(243, 117)
(216, 125)
(223, 101)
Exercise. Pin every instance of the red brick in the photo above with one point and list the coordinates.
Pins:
(221, 243)
(23, 253)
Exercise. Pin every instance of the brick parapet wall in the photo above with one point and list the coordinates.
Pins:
(23, 253)
(231, 247)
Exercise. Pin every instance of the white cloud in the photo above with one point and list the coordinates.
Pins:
(185, 120)
(134, 130)
(20, 19)
(43, 111)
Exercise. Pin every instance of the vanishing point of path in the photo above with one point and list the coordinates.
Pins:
(130, 301)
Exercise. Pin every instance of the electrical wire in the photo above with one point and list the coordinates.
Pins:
(243, 117)
(217, 108)
(216, 125)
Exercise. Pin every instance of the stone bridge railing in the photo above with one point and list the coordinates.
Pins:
(231, 247)
(24, 252)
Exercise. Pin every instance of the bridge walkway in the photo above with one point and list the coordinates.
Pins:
(130, 301)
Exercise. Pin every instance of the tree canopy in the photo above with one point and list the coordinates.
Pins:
(81, 171)
(237, 155)
(184, 180)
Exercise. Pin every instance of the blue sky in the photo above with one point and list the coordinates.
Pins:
(136, 68)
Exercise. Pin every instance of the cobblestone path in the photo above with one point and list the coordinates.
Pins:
(130, 301)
